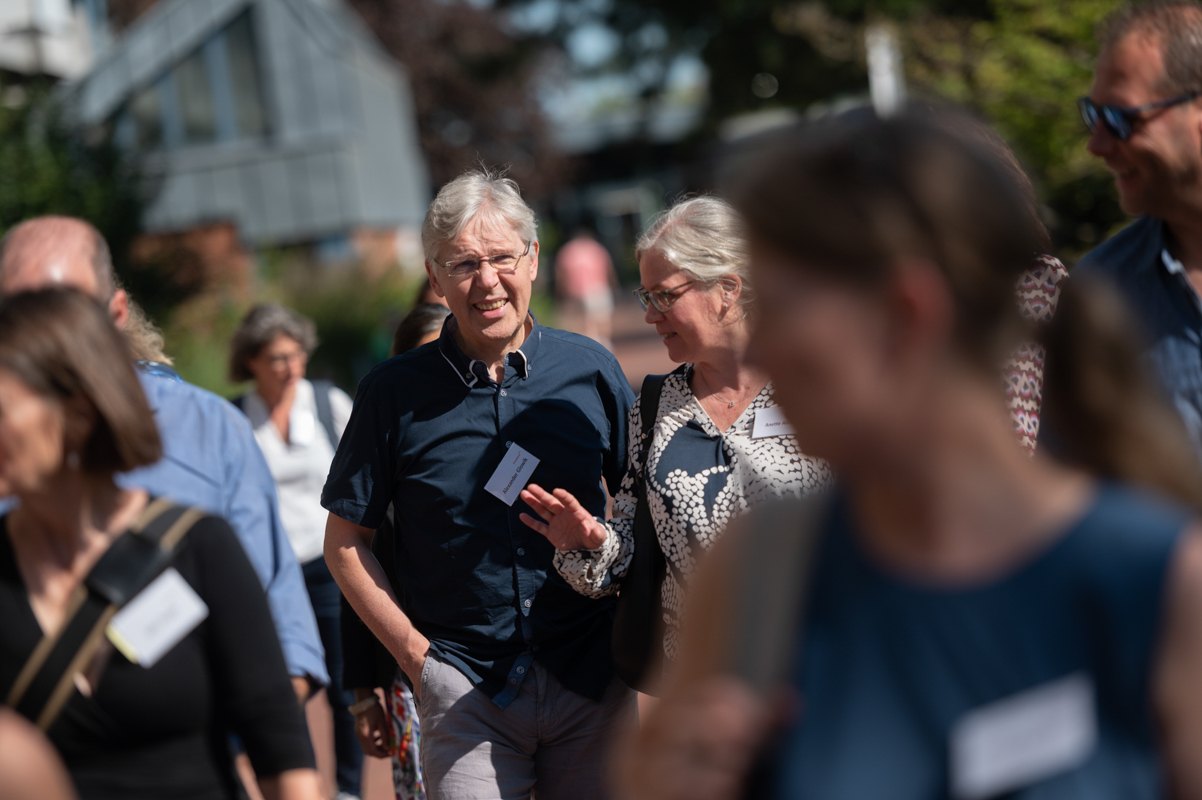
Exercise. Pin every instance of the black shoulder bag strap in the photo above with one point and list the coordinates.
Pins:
(137, 557)
(638, 627)
(325, 413)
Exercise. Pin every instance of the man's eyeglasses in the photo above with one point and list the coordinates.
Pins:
(1118, 119)
(662, 299)
(504, 263)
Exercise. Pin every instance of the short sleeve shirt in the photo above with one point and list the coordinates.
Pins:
(428, 430)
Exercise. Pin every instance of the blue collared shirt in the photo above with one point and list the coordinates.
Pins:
(428, 430)
(1137, 261)
(210, 460)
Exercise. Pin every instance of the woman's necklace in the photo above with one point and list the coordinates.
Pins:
(743, 396)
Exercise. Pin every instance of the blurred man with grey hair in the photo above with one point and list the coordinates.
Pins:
(210, 458)
(512, 670)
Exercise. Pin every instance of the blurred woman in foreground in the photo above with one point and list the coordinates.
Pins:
(977, 623)
(127, 724)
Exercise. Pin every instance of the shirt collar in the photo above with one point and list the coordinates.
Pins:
(474, 372)
(1174, 266)
(158, 368)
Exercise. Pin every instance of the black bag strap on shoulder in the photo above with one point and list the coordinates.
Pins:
(637, 630)
(137, 557)
(325, 412)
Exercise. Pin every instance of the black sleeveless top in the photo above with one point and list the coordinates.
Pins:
(164, 731)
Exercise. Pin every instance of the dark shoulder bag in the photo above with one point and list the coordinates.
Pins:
(638, 620)
(325, 413)
(137, 557)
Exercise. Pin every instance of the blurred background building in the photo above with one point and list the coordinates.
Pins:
(280, 121)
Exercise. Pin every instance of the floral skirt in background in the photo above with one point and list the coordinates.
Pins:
(404, 742)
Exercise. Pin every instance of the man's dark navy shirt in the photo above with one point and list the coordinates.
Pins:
(428, 430)
(1136, 260)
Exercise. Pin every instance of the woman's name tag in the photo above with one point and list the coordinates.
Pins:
(1023, 738)
(155, 621)
(770, 422)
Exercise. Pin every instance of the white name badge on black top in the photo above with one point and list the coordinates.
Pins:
(511, 477)
(1024, 738)
(770, 422)
(155, 621)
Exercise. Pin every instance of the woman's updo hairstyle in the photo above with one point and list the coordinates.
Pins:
(852, 195)
(704, 237)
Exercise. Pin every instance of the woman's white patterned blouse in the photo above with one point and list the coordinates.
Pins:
(698, 480)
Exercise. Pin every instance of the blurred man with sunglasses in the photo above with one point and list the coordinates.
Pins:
(1144, 113)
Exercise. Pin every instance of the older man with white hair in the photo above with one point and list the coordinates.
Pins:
(516, 690)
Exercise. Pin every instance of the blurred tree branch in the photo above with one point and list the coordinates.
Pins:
(473, 86)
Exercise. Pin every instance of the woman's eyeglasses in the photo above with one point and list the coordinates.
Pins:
(662, 299)
(505, 263)
(1118, 119)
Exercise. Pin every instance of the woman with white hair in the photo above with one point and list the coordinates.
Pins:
(718, 444)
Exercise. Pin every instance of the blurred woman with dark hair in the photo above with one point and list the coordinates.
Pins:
(976, 622)
(420, 326)
(126, 723)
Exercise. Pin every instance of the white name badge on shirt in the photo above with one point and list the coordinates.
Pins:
(770, 422)
(1024, 738)
(157, 619)
(511, 477)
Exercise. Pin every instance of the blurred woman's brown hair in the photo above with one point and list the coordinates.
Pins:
(854, 195)
(62, 344)
(423, 320)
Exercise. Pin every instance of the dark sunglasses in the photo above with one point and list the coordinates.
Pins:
(1117, 119)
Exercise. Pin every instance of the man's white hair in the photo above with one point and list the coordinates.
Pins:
(472, 194)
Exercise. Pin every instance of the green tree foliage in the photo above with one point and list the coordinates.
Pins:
(1021, 64)
(1023, 69)
(46, 167)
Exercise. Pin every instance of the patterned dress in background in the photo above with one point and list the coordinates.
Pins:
(404, 743)
(698, 479)
(1038, 292)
